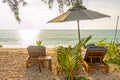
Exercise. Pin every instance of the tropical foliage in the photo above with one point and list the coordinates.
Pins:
(101, 42)
(113, 53)
(70, 58)
(1, 46)
(39, 42)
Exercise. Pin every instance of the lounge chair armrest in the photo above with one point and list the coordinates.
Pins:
(28, 57)
(85, 63)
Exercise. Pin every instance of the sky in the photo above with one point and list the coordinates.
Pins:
(36, 14)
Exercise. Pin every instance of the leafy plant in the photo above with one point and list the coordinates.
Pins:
(101, 42)
(70, 58)
(1, 46)
(80, 78)
(39, 43)
(113, 54)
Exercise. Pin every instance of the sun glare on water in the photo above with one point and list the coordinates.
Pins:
(29, 36)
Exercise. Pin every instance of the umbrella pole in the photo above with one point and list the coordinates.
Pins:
(78, 30)
(115, 38)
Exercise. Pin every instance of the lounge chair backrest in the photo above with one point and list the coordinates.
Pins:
(96, 54)
(36, 51)
(89, 45)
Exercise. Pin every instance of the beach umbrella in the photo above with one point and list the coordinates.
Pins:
(77, 13)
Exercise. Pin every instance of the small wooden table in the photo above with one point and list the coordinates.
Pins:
(46, 58)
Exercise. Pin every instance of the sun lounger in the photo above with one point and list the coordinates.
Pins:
(94, 58)
(37, 54)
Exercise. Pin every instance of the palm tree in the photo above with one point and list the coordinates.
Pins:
(14, 5)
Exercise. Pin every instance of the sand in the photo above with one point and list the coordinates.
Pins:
(12, 67)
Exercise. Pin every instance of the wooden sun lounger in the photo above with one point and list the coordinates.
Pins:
(37, 54)
(94, 59)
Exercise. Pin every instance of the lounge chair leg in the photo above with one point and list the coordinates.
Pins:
(107, 70)
(27, 64)
(39, 63)
(43, 64)
(50, 65)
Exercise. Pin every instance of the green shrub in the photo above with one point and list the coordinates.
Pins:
(101, 42)
(70, 58)
(1, 46)
(80, 78)
(39, 42)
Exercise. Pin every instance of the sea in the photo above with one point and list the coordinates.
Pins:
(52, 38)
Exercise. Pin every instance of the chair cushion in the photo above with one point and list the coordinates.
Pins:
(96, 48)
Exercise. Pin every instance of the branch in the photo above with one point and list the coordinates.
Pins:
(62, 3)
(14, 6)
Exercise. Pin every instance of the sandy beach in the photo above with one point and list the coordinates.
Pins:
(12, 67)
